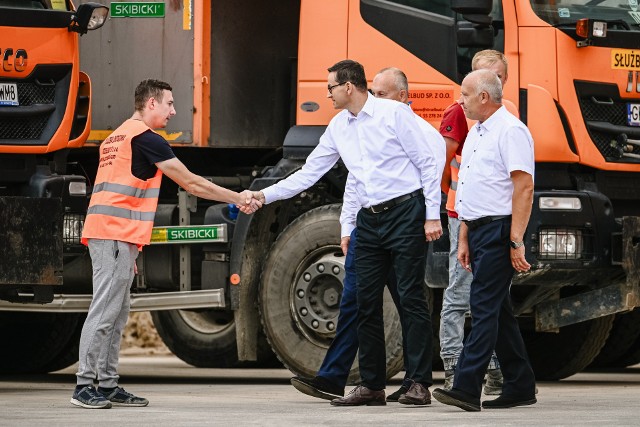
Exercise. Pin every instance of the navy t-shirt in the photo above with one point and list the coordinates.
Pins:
(147, 149)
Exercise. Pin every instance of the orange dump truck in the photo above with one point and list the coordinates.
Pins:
(249, 82)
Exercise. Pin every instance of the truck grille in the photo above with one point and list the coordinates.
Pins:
(43, 97)
(29, 93)
(605, 116)
(23, 128)
(32, 93)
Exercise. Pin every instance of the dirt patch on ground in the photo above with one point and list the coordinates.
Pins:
(141, 337)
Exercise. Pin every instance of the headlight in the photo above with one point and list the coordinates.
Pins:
(560, 203)
(72, 228)
(78, 188)
(558, 243)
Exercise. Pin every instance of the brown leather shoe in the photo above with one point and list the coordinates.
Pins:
(361, 395)
(416, 395)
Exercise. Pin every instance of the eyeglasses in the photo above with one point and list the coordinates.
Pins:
(331, 87)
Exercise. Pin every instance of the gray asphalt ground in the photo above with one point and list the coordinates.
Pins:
(182, 395)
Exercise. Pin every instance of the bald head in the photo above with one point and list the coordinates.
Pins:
(391, 83)
(480, 94)
(486, 81)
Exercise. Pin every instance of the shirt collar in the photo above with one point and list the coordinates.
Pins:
(368, 108)
(493, 120)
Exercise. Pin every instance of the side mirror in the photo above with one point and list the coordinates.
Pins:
(476, 11)
(469, 34)
(472, 7)
(89, 16)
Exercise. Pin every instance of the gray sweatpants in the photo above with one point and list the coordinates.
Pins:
(113, 271)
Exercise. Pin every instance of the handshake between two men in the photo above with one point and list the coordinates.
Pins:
(250, 201)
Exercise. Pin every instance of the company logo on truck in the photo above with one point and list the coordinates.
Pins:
(13, 60)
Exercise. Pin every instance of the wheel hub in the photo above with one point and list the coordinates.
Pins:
(317, 294)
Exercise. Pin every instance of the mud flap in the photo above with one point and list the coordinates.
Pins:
(30, 242)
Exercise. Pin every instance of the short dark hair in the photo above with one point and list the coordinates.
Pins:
(350, 71)
(149, 88)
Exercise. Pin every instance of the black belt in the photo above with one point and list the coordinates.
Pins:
(475, 223)
(393, 202)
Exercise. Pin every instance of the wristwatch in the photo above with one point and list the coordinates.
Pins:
(516, 245)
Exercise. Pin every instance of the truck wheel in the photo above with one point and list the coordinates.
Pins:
(631, 355)
(559, 355)
(624, 334)
(300, 290)
(70, 352)
(205, 338)
(33, 340)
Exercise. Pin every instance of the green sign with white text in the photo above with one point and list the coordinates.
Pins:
(214, 233)
(137, 10)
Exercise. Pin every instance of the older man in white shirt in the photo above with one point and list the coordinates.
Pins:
(494, 198)
(392, 165)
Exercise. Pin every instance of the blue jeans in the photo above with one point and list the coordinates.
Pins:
(342, 352)
(455, 305)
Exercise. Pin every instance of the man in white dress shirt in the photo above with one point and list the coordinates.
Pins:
(493, 200)
(397, 187)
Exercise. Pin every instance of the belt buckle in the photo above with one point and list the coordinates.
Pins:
(373, 210)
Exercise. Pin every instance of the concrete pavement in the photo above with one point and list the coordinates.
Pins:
(181, 395)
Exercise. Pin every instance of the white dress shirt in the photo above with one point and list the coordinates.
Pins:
(350, 205)
(384, 150)
(493, 149)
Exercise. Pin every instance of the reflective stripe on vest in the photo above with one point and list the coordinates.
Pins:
(126, 190)
(121, 213)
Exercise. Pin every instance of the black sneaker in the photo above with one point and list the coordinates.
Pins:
(119, 397)
(317, 387)
(88, 397)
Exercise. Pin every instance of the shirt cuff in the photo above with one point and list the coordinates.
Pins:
(347, 229)
(433, 212)
(269, 195)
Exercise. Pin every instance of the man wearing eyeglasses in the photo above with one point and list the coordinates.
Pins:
(392, 166)
(331, 378)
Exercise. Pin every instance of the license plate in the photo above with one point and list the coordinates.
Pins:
(9, 94)
(633, 114)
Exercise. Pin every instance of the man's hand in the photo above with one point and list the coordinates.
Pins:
(464, 257)
(432, 229)
(259, 195)
(344, 244)
(247, 203)
(518, 261)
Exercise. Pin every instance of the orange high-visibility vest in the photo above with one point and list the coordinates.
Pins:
(122, 207)
(455, 168)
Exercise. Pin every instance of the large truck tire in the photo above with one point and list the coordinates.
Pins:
(32, 341)
(299, 295)
(624, 334)
(559, 355)
(632, 354)
(206, 338)
(70, 352)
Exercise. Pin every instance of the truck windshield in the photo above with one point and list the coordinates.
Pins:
(560, 12)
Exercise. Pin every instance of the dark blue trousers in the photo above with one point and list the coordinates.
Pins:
(493, 324)
(344, 347)
(393, 239)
